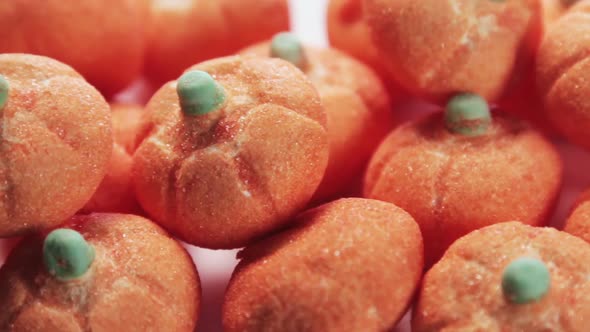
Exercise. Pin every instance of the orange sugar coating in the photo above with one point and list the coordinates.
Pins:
(578, 223)
(349, 265)
(551, 10)
(190, 31)
(526, 102)
(435, 48)
(463, 292)
(453, 184)
(222, 179)
(358, 111)
(115, 193)
(141, 279)
(55, 143)
(348, 31)
(562, 65)
(103, 40)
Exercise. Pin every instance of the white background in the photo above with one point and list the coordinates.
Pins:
(308, 21)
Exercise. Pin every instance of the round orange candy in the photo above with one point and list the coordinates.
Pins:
(437, 48)
(55, 142)
(349, 265)
(561, 72)
(453, 183)
(113, 273)
(231, 151)
(358, 109)
(102, 40)
(578, 223)
(187, 32)
(508, 277)
(115, 193)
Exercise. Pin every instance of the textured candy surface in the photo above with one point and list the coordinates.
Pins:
(358, 110)
(141, 280)
(436, 48)
(562, 65)
(454, 184)
(222, 179)
(55, 143)
(349, 265)
(578, 223)
(463, 292)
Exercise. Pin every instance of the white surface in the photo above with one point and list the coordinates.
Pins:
(308, 21)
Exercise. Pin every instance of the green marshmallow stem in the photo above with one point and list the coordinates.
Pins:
(3, 91)
(525, 280)
(468, 114)
(199, 93)
(66, 254)
(287, 46)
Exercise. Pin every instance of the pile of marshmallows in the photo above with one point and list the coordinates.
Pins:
(257, 146)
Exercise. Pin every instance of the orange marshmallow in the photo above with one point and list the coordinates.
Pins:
(231, 150)
(562, 64)
(102, 40)
(190, 31)
(348, 31)
(104, 272)
(437, 48)
(526, 102)
(55, 142)
(454, 183)
(578, 223)
(349, 265)
(508, 277)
